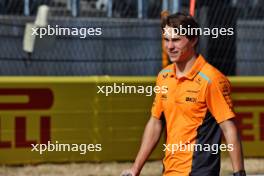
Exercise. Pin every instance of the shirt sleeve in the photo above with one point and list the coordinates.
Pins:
(157, 108)
(219, 100)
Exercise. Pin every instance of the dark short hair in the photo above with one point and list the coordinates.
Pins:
(180, 19)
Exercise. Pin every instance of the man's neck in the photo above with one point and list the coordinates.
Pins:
(182, 68)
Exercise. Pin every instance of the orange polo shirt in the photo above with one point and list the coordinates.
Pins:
(193, 106)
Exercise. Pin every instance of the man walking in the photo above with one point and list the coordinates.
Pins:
(197, 109)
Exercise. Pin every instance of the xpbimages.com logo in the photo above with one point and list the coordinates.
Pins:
(131, 89)
(213, 32)
(183, 147)
(66, 31)
(59, 147)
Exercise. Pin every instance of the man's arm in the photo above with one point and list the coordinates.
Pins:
(150, 138)
(232, 137)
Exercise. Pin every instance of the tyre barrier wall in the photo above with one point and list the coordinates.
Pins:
(73, 110)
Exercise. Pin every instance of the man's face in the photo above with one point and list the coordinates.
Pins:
(179, 48)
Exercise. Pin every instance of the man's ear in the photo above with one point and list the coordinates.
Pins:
(194, 41)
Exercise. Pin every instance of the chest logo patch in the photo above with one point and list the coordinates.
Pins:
(191, 99)
(165, 76)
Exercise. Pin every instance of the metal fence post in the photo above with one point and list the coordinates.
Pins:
(176, 6)
(26, 8)
(165, 4)
(110, 8)
(75, 8)
(69, 4)
(140, 8)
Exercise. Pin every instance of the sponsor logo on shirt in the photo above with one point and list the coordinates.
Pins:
(191, 99)
(165, 76)
(164, 97)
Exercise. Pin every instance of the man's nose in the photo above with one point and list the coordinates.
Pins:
(170, 44)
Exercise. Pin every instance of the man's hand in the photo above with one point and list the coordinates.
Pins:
(240, 173)
(128, 172)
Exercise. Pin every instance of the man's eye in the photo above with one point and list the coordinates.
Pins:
(175, 39)
(166, 39)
